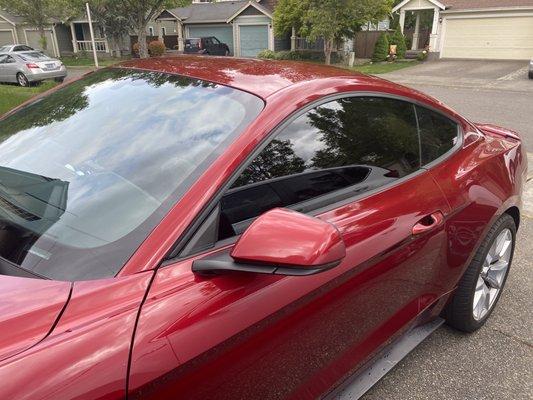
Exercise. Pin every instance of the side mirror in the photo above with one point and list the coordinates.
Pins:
(281, 242)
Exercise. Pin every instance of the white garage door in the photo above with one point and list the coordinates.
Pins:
(254, 39)
(506, 38)
(224, 33)
(34, 40)
(6, 37)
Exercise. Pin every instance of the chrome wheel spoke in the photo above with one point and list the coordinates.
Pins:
(492, 274)
(496, 274)
(479, 298)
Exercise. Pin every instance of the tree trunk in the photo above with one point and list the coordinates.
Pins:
(328, 48)
(141, 37)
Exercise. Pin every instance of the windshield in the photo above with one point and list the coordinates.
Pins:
(89, 170)
(36, 55)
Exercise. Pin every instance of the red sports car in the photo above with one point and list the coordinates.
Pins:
(193, 228)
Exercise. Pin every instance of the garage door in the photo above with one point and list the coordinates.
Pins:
(254, 39)
(35, 42)
(222, 33)
(508, 38)
(6, 37)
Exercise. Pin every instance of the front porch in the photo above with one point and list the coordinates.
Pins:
(81, 38)
(420, 22)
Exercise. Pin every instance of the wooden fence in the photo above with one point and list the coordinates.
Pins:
(170, 40)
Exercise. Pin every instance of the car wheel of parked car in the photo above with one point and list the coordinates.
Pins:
(22, 80)
(60, 80)
(482, 284)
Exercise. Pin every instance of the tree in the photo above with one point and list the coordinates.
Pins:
(276, 160)
(398, 39)
(39, 13)
(142, 12)
(121, 17)
(110, 15)
(330, 20)
(381, 48)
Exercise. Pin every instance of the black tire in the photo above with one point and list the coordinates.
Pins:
(459, 312)
(530, 74)
(22, 80)
(60, 80)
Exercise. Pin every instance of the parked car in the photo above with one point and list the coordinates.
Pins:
(30, 67)
(206, 45)
(177, 228)
(11, 48)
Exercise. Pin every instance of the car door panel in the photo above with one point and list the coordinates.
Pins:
(11, 69)
(3, 68)
(262, 336)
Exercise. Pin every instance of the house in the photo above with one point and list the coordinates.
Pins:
(61, 38)
(245, 26)
(473, 29)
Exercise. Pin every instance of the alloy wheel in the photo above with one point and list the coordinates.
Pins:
(492, 275)
(23, 81)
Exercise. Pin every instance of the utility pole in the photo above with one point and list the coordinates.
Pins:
(92, 35)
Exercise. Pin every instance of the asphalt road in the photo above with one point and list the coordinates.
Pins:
(495, 362)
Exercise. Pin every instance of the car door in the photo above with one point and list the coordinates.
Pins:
(352, 161)
(210, 46)
(3, 58)
(10, 69)
(218, 48)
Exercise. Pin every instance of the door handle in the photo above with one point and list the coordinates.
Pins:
(428, 223)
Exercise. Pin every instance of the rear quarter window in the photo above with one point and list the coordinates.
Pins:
(438, 134)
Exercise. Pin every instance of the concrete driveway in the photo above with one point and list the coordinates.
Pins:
(502, 75)
(497, 361)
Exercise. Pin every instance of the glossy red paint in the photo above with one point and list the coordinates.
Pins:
(157, 330)
(286, 237)
(86, 355)
(24, 323)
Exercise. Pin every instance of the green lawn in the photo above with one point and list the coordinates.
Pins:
(11, 95)
(383, 67)
(87, 61)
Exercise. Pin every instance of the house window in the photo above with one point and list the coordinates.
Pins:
(151, 30)
(164, 31)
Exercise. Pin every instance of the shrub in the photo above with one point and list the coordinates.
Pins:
(398, 39)
(156, 48)
(422, 56)
(381, 49)
(267, 54)
(298, 55)
(136, 48)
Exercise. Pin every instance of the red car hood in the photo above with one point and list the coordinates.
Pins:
(28, 310)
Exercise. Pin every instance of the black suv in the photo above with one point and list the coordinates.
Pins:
(206, 45)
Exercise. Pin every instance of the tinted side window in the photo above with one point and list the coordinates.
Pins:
(438, 134)
(351, 145)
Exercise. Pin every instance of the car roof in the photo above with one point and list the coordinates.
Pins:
(260, 77)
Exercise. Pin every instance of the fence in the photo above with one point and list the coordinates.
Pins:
(365, 41)
(87, 45)
(171, 41)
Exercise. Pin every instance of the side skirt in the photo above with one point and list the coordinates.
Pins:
(356, 386)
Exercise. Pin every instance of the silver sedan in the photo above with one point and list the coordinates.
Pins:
(31, 66)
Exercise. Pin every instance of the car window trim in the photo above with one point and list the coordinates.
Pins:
(177, 252)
